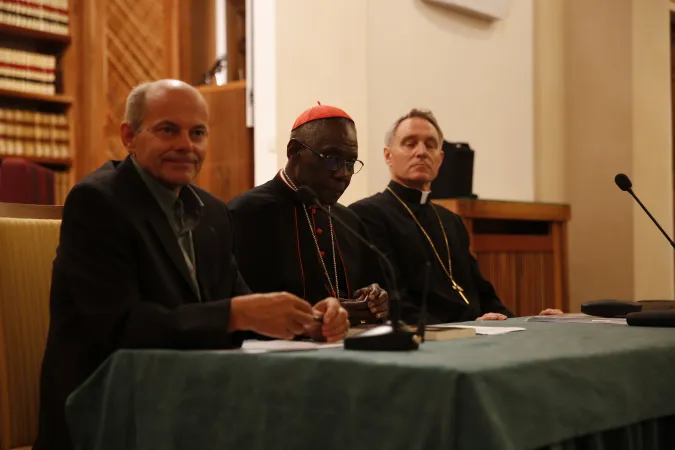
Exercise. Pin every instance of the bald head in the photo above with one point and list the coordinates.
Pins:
(141, 97)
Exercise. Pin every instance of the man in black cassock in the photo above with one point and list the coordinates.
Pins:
(411, 230)
(283, 244)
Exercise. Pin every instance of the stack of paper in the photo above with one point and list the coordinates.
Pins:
(255, 346)
(484, 331)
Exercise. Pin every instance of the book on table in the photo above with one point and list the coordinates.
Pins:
(431, 332)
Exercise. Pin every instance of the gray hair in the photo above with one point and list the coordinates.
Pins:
(134, 111)
(419, 113)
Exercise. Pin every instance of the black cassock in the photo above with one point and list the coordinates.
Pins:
(275, 249)
(395, 232)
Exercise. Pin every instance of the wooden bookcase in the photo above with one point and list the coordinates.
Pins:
(62, 102)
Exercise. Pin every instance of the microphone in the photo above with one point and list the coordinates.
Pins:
(654, 318)
(389, 337)
(421, 327)
(625, 184)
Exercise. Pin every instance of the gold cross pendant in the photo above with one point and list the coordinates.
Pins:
(459, 289)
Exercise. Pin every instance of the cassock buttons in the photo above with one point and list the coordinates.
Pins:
(319, 231)
(322, 253)
(313, 210)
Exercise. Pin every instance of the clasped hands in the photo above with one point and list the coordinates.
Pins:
(282, 315)
(369, 304)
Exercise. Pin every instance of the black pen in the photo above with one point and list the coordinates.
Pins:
(318, 319)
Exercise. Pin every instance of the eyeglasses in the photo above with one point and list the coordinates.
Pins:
(335, 163)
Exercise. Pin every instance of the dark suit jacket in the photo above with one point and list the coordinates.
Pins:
(120, 281)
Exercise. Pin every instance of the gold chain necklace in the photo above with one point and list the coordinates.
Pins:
(448, 269)
(335, 290)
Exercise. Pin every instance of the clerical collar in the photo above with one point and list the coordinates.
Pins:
(284, 189)
(410, 195)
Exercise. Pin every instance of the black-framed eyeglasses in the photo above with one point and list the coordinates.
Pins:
(335, 163)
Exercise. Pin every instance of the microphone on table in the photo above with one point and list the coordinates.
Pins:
(655, 318)
(393, 336)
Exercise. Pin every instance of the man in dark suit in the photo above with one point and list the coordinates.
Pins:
(145, 259)
(284, 244)
(411, 230)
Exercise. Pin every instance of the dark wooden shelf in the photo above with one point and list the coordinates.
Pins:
(35, 35)
(43, 98)
(60, 162)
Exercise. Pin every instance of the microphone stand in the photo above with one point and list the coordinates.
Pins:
(392, 336)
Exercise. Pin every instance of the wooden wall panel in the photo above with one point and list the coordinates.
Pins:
(523, 281)
(521, 249)
(228, 169)
(124, 42)
(197, 39)
(139, 43)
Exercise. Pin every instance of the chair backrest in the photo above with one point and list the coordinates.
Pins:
(29, 236)
(23, 181)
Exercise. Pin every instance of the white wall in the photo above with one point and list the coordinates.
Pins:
(321, 55)
(476, 76)
(265, 89)
(604, 107)
(378, 58)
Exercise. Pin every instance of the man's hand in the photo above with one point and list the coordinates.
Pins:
(279, 315)
(335, 321)
(550, 312)
(377, 298)
(370, 303)
(492, 316)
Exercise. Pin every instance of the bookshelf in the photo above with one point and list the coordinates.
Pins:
(58, 99)
(7, 30)
(38, 84)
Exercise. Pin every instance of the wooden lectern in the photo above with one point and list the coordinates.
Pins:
(521, 249)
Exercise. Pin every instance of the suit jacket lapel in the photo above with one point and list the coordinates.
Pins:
(147, 207)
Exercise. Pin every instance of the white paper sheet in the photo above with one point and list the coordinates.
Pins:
(484, 331)
(255, 346)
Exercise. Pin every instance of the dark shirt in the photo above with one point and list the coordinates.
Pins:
(183, 211)
(395, 233)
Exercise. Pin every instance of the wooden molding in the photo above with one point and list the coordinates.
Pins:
(22, 211)
(495, 209)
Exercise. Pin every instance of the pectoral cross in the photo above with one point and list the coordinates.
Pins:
(460, 291)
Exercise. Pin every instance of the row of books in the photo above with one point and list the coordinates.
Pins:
(33, 134)
(27, 71)
(43, 15)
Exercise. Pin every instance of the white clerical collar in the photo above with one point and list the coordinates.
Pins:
(410, 195)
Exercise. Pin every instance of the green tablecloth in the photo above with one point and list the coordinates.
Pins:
(541, 387)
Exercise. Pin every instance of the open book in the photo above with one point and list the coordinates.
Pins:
(436, 333)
